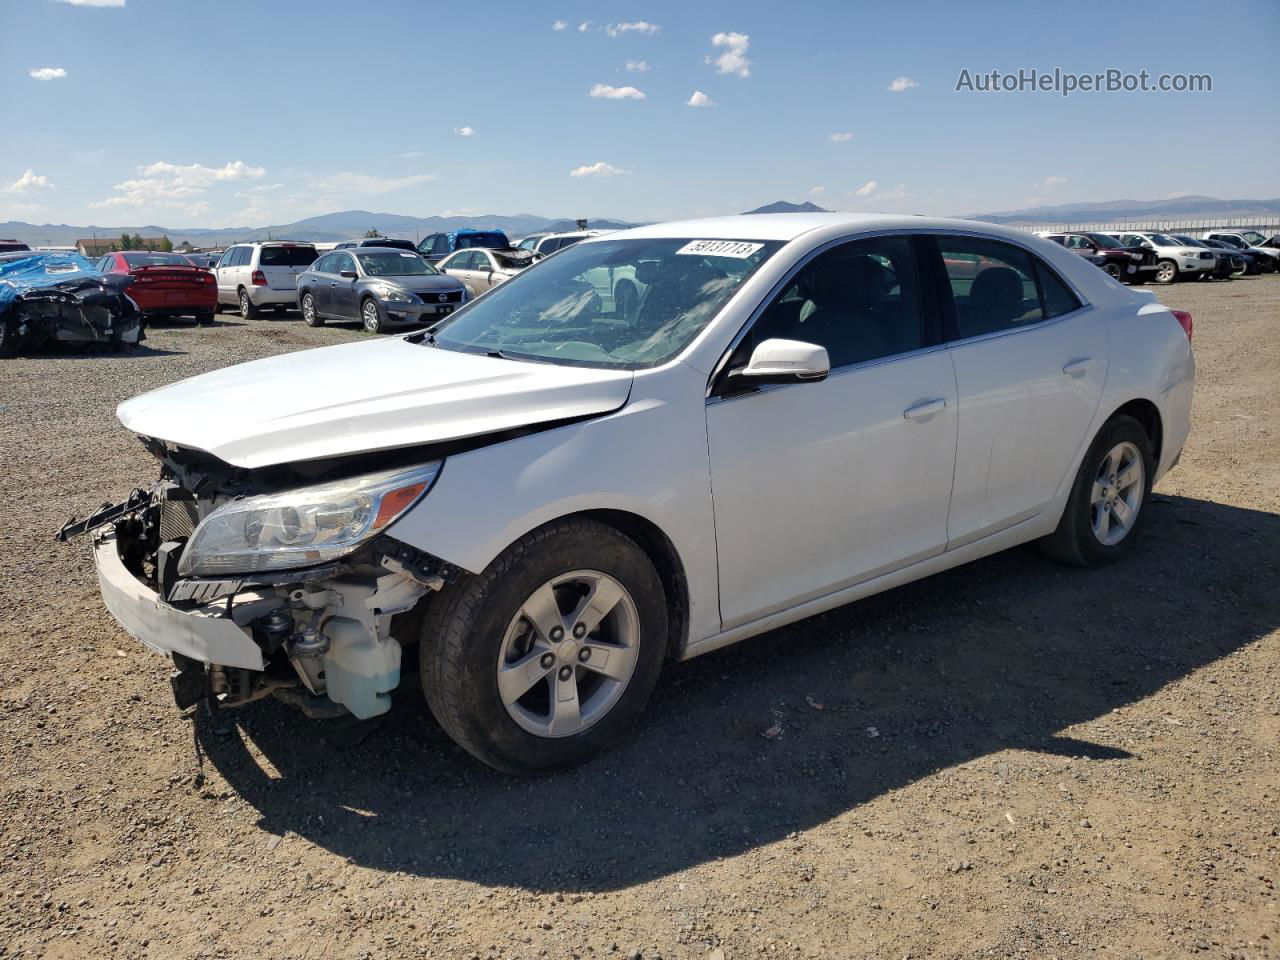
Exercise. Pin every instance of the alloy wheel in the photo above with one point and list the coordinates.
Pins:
(309, 309)
(568, 653)
(1116, 497)
(244, 305)
(1166, 273)
(369, 315)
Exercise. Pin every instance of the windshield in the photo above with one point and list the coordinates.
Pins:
(1187, 241)
(1253, 236)
(1163, 240)
(395, 265)
(156, 260)
(1102, 240)
(610, 303)
(287, 256)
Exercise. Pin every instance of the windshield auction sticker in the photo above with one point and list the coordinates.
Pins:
(738, 249)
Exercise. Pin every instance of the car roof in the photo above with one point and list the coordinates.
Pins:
(789, 226)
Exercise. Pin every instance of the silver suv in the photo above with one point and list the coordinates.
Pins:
(252, 276)
(1174, 260)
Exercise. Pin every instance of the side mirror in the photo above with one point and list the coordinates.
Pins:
(782, 361)
(348, 274)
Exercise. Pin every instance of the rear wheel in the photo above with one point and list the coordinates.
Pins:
(371, 315)
(204, 318)
(309, 314)
(1112, 270)
(543, 660)
(9, 337)
(247, 309)
(1166, 271)
(1107, 500)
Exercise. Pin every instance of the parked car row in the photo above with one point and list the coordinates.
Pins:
(1152, 256)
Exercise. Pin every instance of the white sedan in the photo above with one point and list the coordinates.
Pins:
(551, 497)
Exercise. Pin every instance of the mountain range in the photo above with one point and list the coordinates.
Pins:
(347, 224)
(328, 227)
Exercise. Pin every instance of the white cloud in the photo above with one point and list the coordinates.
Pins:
(46, 73)
(841, 137)
(637, 66)
(165, 184)
(1052, 182)
(584, 26)
(636, 26)
(699, 99)
(606, 92)
(464, 131)
(734, 58)
(413, 154)
(870, 191)
(902, 83)
(198, 175)
(559, 25)
(29, 181)
(817, 191)
(866, 190)
(346, 181)
(600, 169)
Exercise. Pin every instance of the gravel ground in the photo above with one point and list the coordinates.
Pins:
(1013, 759)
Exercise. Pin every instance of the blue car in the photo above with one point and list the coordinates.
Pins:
(62, 296)
(436, 246)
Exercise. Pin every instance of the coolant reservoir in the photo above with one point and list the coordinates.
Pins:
(360, 670)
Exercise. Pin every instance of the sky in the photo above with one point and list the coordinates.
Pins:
(184, 114)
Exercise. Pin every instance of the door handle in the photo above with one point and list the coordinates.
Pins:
(1077, 367)
(924, 409)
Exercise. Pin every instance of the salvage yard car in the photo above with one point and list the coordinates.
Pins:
(1174, 261)
(378, 286)
(480, 269)
(257, 275)
(62, 296)
(549, 498)
(165, 284)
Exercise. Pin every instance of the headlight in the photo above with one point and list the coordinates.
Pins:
(395, 295)
(302, 527)
(1135, 256)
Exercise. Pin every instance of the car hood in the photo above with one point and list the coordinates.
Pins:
(430, 283)
(358, 397)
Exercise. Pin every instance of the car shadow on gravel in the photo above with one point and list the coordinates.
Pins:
(786, 731)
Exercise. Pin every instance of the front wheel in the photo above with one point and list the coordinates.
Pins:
(1112, 270)
(247, 310)
(371, 316)
(309, 313)
(1105, 506)
(546, 657)
(1166, 271)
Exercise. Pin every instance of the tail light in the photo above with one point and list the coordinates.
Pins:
(259, 278)
(1184, 319)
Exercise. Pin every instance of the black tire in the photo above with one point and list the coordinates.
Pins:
(10, 339)
(1166, 272)
(310, 315)
(1074, 541)
(463, 631)
(204, 319)
(1112, 270)
(371, 316)
(247, 310)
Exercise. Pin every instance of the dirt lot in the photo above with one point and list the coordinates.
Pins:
(1009, 760)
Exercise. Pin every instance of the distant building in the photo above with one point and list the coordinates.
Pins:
(99, 246)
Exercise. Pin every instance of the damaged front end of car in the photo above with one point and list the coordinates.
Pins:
(279, 581)
(62, 296)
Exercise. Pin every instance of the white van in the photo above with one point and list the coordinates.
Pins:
(265, 274)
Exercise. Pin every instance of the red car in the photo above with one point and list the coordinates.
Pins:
(165, 284)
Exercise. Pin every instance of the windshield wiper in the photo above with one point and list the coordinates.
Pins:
(519, 357)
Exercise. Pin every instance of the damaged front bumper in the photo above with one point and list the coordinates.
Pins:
(321, 640)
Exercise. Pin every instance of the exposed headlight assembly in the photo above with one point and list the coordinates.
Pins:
(300, 528)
